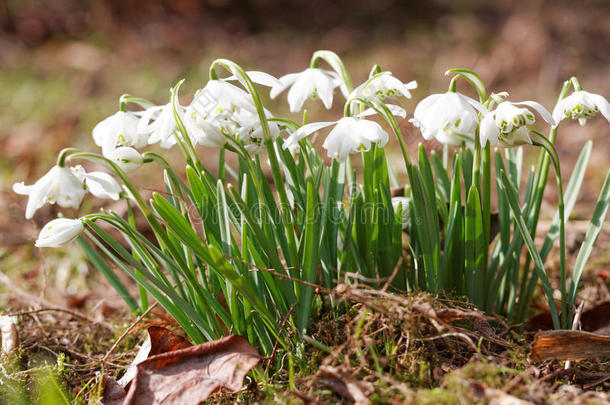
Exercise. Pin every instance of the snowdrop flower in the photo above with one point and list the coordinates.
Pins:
(310, 83)
(59, 186)
(508, 124)
(100, 184)
(159, 124)
(220, 98)
(450, 117)
(251, 133)
(128, 159)
(402, 202)
(383, 85)
(350, 135)
(202, 131)
(221, 111)
(59, 232)
(581, 105)
(119, 129)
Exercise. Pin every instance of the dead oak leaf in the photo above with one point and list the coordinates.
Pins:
(169, 370)
(159, 340)
(188, 376)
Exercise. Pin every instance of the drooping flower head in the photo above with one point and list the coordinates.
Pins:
(508, 125)
(310, 83)
(100, 184)
(382, 85)
(221, 112)
(120, 129)
(128, 159)
(59, 186)
(350, 134)
(59, 232)
(451, 118)
(581, 105)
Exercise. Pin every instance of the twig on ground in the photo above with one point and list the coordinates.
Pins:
(279, 334)
(126, 332)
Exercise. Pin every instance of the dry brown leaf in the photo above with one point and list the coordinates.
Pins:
(339, 380)
(569, 345)
(112, 392)
(597, 319)
(188, 376)
(159, 340)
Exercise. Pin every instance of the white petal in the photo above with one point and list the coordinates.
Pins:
(304, 131)
(102, 185)
(602, 104)
(300, 91)
(474, 103)
(544, 113)
(394, 109)
(284, 82)
(488, 131)
(21, 188)
(259, 77)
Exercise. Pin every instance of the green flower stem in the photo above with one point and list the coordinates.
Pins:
(533, 213)
(61, 158)
(472, 78)
(550, 148)
(336, 63)
(576, 84)
(185, 141)
(287, 215)
(128, 98)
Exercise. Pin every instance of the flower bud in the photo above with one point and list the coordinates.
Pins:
(59, 232)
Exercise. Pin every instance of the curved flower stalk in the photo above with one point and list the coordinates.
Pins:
(100, 184)
(382, 85)
(59, 186)
(508, 125)
(451, 118)
(581, 105)
(59, 232)
(120, 129)
(311, 83)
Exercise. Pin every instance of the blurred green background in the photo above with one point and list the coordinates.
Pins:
(64, 63)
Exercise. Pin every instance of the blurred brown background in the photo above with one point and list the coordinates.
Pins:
(64, 63)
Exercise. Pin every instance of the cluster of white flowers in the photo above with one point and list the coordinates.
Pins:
(222, 114)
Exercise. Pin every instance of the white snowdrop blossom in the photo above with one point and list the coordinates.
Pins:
(120, 129)
(508, 124)
(451, 118)
(383, 85)
(310, 83)
(59, 186)
(350, 135)
(221, 112)
(128, 159)
(580, 106)
(100, 184)
(59, 232)
(251, 133)
(402, 203)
